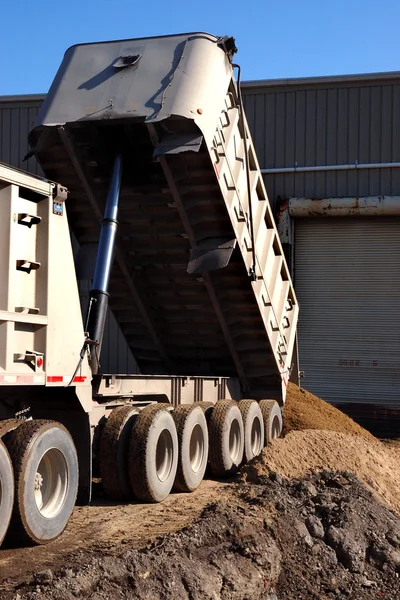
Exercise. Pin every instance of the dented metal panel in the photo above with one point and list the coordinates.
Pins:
(172, 78)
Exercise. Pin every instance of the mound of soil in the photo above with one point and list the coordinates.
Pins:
(226, 554)
(302, 452)
(319, 538)
(337, 540)
(303, 410)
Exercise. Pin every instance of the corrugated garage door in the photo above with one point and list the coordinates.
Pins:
(347, 278)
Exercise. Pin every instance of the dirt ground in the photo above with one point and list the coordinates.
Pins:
(107, 523)
(315, 517)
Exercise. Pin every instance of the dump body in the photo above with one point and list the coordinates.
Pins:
(200, 285)
(38, 285)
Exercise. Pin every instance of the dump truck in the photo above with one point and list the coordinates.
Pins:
(158, 174)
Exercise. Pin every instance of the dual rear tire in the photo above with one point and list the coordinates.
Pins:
(45, 466)
(226, 431)
(145, 453)
(272, 416)
(6, 490)
(139, 453)
(191, 426)
(253, 429)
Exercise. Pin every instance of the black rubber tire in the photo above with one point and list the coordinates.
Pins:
(9, 425)
(225, 429)
(114, 452)
(207, 408)
(48, 445)
(191, 427)
(272, 416)
(253, 429)
(6, 490)
(146, 482)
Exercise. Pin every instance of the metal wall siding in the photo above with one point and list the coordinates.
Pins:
(327, 124)
(16, 119)
(346, 276)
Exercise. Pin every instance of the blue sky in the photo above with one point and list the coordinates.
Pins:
(275, 39)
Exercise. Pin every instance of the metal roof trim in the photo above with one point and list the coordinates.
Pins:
(22, 98)
(295, 81)
(260, 83)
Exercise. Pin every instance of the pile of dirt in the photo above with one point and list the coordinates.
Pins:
(319, 437)
(303, 410)
(225, 554)
(319, 538)
(336, 539)
(302, 452)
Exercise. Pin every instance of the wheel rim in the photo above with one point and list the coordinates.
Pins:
(164, 455)
(256, 437)
(51, 483)
(234, 440)
(275, 428)
(196, 449)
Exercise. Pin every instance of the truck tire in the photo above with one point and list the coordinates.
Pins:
(45, 466)
(153, 453)
(8, 425)
(191, 427)
(114, 452)
(6, 490)
(253, 428)
(272, 416)
(226, 434)
(207, 408)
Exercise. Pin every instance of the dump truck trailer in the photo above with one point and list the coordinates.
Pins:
(160, 180)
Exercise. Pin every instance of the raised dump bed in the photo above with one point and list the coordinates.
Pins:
(200, 285)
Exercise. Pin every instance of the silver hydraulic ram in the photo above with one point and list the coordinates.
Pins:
(98, 297)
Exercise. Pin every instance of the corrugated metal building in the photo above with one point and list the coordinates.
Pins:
(327, 121)
(346, 269)
(334, 138)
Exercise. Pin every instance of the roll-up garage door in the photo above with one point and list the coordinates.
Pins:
(347, 278)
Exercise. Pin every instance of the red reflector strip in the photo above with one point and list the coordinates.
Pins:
(65, 379)
(216, 170)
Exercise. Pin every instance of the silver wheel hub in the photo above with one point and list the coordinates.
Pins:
(234, 441)
(275, 428)
(164, 455)
(196, 448)
(51, 483)
(256, 437)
